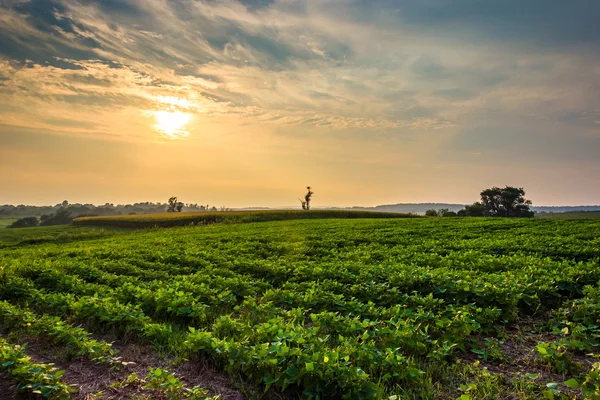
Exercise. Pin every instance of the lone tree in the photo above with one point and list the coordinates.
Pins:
(506, 202)
(306, 202)
(174, 205)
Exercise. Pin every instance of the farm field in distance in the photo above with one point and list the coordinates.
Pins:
(4, 222)
(571, 215)
(205, 218)
(400, 308)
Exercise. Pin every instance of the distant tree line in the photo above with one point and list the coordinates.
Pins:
(108, 209)
(64, 213)
(61, 217)
(495, 202)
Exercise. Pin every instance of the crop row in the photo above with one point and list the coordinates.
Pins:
(31, 377)
(363, 340)
(76, 339)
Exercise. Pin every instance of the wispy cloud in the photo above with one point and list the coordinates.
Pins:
(281, 62)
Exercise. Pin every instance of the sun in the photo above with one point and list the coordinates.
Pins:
(172, 123)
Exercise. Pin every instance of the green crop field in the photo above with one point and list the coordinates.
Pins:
(206, 218)
(413, 308)
(56, 234)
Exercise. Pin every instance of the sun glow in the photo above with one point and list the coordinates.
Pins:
(172, 123)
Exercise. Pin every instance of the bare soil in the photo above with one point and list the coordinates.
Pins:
(94, 381)
(522, 356)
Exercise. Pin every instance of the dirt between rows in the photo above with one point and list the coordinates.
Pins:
(94, 381)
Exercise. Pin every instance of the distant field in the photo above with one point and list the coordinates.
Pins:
(571, 215)
(405, 309)
(56, 233)
(4, 222)
(205, 218)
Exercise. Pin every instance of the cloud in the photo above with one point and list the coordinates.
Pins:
(532, 23)
(526, 146)
(257, 4)
(456, 94)
(400, 65)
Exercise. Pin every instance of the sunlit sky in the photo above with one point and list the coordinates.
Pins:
(245, 103)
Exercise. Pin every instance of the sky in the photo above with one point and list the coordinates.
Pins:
(246, 102)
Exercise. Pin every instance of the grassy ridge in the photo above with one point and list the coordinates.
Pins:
(204, 218)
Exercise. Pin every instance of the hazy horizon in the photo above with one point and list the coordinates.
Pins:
(298, 206)
(243, 103)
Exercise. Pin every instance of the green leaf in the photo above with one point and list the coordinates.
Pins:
(309, 366)
(572, 383)
(548, 394)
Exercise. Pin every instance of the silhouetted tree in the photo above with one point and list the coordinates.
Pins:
(171, 204)
(307, 197)
(174, 205)
(506, 202)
